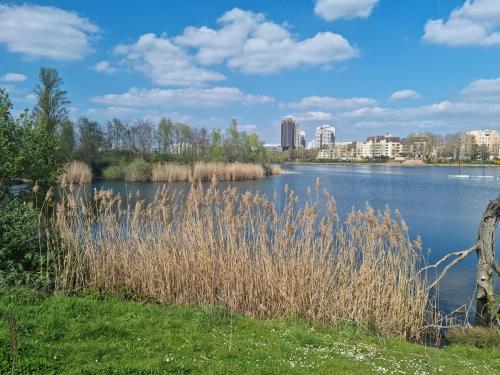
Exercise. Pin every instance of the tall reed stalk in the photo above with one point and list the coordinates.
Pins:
(248, 253)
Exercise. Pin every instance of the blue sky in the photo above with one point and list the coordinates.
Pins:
(363, 66)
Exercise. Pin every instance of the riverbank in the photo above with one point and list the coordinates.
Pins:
(103, 335)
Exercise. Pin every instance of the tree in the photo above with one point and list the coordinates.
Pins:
(165, 134)
(9, 146)
(41, 156)
(487, 308)
(90, 140)
(67, 136)
(51, 104)
(144, 133)
(115, 133)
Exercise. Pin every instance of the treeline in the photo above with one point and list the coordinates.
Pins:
(39, 142)
(119, 142)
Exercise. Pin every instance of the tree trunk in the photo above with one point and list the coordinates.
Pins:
(487, 265)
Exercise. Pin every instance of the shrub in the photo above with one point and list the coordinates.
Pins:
(22, 249)
(76, 172)
(138, 170)
(114, 172)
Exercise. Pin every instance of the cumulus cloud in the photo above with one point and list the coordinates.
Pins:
(331, 10)
(312, 117)
(404, 94)
(48, 32)
(165, 63)
(476, 22)
(189, 97)
(104, 67)
(247, 42)
(483, 90)
(327, 102)
(14, 77)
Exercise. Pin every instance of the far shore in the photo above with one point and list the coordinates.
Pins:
(395, 164)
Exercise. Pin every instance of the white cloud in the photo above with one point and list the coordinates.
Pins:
(104, 67)
(49, 32)
(165, 63)
(312, 117)
(334, 9)
(404, 94)
(247, 42)
(476, 22)
(327, 102)
(190, 97)
(483, 90)
(14, 77)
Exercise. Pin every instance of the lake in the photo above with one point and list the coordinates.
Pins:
(445, 212)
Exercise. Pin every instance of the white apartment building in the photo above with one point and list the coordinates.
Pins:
(325, 136)
(381, 149)
(488, 138)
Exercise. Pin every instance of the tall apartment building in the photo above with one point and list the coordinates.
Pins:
(290, 134)
(325, 136)
(302, 139)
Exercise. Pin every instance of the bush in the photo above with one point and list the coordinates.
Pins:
(480, 337)
(114, 172)
(138, 170)
(21, 248)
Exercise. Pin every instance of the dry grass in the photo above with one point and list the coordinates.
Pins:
(227, 171)
(243, 251)
(276, 169)
(76, 172)
(171, 172)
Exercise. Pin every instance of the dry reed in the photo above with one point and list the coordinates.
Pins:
(243, 251)
(276, 169)
(171, 172)
(76, 172)
(227, 171)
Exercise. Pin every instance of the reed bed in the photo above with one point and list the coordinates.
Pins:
(77, 173)
(171, 172)
(247, 253)
(275, 170)
(227, 171)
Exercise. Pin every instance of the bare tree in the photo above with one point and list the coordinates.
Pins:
(486, 308)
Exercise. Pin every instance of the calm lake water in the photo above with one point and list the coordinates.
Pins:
(445, 212)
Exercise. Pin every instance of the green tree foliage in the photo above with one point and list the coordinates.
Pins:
(67, 137)
(90, 140)
(52, 100)
(9, 147)
(165, 134)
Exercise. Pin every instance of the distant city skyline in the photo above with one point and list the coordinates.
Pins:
(364, 67)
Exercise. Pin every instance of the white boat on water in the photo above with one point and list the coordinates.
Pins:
(458, 176)
(484, 177)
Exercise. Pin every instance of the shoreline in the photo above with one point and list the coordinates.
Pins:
(395, 164)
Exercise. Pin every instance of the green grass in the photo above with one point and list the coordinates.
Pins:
(103, 335)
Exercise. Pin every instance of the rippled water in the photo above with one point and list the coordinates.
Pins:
(445, 212)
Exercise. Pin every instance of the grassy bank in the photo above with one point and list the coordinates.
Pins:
(97, 335)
